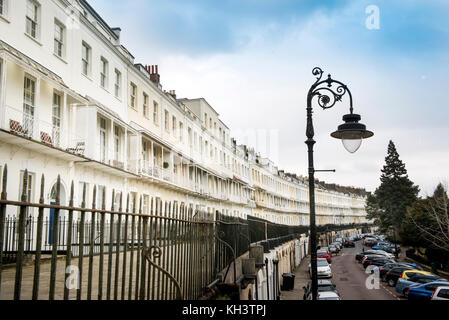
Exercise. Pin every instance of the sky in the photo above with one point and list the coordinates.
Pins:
(252, 60)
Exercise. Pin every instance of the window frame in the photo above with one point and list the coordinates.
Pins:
(35, 20)
(104, 72)
(60, 41)
(117, 84)
(155, 113)
(146, 108)
(86, 61)
(133, 95)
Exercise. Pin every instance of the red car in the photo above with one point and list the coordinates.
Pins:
(324, 254)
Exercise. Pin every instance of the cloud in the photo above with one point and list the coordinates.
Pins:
(252, 61)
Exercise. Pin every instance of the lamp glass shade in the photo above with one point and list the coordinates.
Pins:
(352, 145)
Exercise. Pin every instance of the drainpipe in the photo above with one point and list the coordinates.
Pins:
(268, 280)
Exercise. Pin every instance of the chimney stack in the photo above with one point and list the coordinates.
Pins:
(172, 93)
(154, 75)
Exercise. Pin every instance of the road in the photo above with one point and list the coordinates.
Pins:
(350, 278)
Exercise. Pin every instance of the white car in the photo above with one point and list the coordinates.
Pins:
(323, 269)
(440, 293)
(384, 253)
(326, 295)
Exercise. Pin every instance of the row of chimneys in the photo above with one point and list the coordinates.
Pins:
(156, 78)
(154, 74)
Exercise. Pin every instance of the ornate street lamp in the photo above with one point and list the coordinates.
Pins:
(351, 133)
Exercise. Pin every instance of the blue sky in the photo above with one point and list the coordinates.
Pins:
(252, 60)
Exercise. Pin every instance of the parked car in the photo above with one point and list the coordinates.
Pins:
(392, 276)
(371, 256)
(440, 293)
(359, 256)
(369, 242)
(388, 266)
(333, 249)
(324, 249)
(404, 283)
(328, 295)
(323, 269)
(324, 254)
(323, 285)
(425, 291)
(349, 244)
(337, 244)
(376, 261)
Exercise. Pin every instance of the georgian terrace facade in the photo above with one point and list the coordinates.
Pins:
(74, 102)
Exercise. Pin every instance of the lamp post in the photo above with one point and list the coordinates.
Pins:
(351, 132)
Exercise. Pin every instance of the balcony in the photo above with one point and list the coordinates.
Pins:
(24, 124)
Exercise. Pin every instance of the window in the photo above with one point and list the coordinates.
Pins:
(133, 95)
(181, 132)
(166, 121)
(118, 84)
(59, 39)
(174, 123)
(56, 119)
(80, 193)
(443, 293)
(86, 52)
(29, 96)
(189, 131)
(99, 200)
(145, 105)
(29, 187)
(102, 140)
(32, 16)
(116, 143)
(2, 7)
(195, 141)
(145, 202)
(155, 113)
(104, 72)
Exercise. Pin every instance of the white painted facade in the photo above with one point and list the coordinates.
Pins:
(74, 102)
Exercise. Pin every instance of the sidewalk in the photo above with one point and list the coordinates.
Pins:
(301, 279)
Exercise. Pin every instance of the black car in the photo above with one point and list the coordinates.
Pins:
(359, 256)
(392, 276)
(388, 266)
(323, 285)
(376, 261)
(349, 244)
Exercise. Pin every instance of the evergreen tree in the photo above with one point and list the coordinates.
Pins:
(395, 193)
(440, 191)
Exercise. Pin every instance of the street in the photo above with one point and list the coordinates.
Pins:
(350, 277)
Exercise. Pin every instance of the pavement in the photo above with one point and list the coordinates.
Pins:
(301, 279)
(352, 282)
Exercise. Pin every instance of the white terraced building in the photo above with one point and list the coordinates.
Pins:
(74, 102)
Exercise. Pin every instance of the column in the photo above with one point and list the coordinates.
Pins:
(110, 144)
(125, 150)
(153, 160)
(36, 134)
(138, 152)
(64, 130)
(4, 67)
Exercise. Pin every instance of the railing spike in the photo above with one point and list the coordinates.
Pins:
(4, 181)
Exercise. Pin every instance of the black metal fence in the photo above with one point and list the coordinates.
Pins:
(67, 252)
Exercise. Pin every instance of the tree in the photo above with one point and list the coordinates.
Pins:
(396, 192)
(440, 191)
(430, 218)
